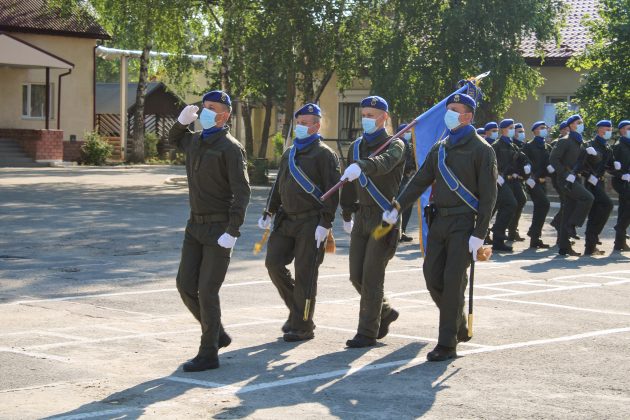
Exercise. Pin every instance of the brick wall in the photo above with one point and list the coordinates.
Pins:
(72, 151)
(40, 145)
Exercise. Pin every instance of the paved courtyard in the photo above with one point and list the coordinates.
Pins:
(91, 325)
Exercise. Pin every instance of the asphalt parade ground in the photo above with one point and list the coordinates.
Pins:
(92, 326)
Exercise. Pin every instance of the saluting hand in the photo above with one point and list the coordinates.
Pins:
(188, 115)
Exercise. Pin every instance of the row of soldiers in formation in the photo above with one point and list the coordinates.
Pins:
(462, 169)
(577, 169)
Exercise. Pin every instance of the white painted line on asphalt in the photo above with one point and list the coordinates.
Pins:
(34, 354)
(343, 373)
(92, 414)
(554, 305)
(201, 383)
(575, 276)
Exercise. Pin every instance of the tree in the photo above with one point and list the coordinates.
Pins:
(422, 48)
(605, 92)
(171, 26)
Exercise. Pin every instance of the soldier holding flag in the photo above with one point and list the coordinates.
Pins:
(464, 169)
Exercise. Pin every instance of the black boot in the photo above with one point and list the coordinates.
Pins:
(224, 340)
(383, 329)
(441, 353)
(568, 252)
(405, 238)
(298, 335)
(499, 246)
(201, 363)
(286, 327)
(515, 237)
(620, 243)
(361, 340)
(537, 243)
(591, 249)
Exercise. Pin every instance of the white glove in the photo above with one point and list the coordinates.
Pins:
(617, 165)
(226, 241)
(530, 182)
(500, 180)
(591, 151)
(527, 169)
(347, 226)
(515, 176)
(474, 244)
(321, 233)
(550, 169)
(264, 222)
(188, 115)
(570, 178)
(351, 173)
(625, 177)
(593, 180)
(390, 216)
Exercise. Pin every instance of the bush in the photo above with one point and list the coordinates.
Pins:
(95, 150)
(150, 145)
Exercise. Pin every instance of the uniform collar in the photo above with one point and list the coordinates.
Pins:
(301, 144)
(575, 136)
(600, 140)
(207, 132)
(506, 139)
(539, 141)
(624, 140)
(374, 136)
(455, 137)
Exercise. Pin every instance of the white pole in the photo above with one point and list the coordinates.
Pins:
(123, 107)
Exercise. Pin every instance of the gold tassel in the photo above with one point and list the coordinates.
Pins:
(331, 247)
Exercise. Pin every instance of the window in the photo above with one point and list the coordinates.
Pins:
(549, 110)
(34, 100)
(349, 121)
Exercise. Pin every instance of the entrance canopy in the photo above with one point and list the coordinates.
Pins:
(15, 52)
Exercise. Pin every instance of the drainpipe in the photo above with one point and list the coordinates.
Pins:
(47, 106)
(59, 98)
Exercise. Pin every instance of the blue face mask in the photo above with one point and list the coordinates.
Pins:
(369, 125)
(451, 119)
(580, 128)
(207, 118)
(510, 133)
(521, 136)
(301, 131)
(607, 135)
(494, 135)
(407, 136)
(543, 133)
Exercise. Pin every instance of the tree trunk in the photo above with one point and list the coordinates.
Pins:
(322, 85)
(137, 151)
(249, 132)
(264, 141)
(289, 104)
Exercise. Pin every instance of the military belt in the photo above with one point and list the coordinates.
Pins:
(209, 218)
(303, 215)
(453, 211)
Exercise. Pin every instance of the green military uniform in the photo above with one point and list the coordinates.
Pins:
(219, 193)
(538, 154)
(369, 257)
(556, 222)
(621, 152)
(577, 199)
(596, 166)
(298, 214)
(447, 258)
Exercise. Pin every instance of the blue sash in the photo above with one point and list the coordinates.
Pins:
(453, 183)
(367, 183)
(301, 178)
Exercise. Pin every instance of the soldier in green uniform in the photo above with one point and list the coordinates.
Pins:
(463, 171)
(491, 132)
(537, 151)
(512, 166)
(621, 184)
(557, 219)
(219, 192)
(516, 183)
(594, 167)
(373, 183)
(577, 199)
(302, 221)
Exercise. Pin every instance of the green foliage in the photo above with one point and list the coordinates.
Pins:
(150, 145)
(605, 91)
(95, 150)
(278, 145)
(422, 48)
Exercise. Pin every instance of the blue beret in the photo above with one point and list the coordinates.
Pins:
(604, 123)
(491, 125)
(218, 96)
(461, 98)
(563, 125)
(481, 131)
(506, 123)
(309, 109)
(623, 123)
(374, 102)
(573, 118)
(518, 125)
(538, 124)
